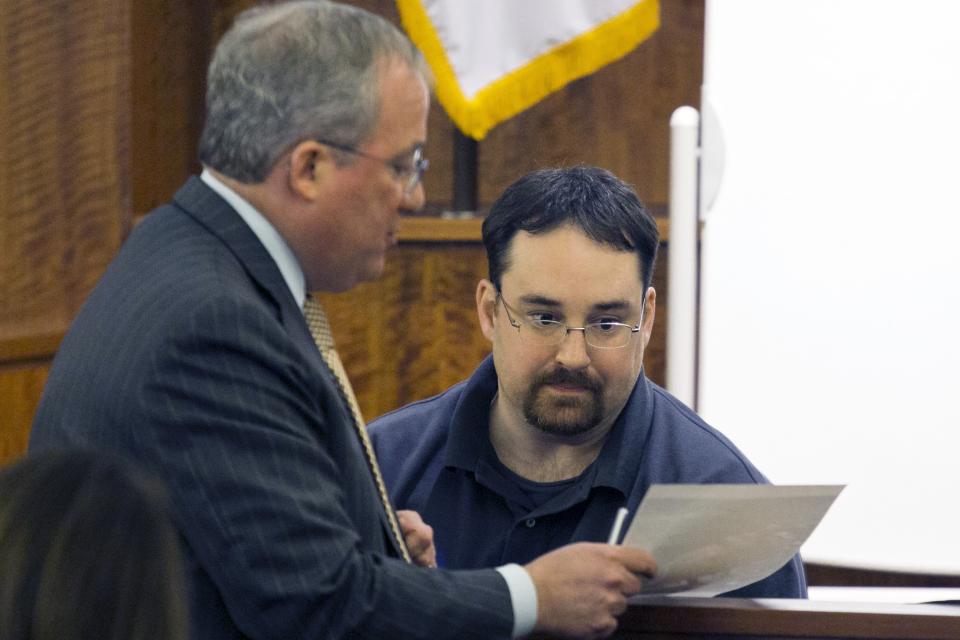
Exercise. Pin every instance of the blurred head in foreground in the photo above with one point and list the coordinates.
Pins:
(86, 551)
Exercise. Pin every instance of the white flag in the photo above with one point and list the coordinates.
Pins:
(494, 58)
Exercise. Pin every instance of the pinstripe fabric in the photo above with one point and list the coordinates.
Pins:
(192, 358)
(323, 336)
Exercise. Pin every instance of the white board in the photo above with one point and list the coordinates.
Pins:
(830, 326)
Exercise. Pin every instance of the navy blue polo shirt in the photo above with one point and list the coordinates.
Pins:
(437, 459)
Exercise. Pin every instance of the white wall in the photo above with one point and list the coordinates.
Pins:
(831, 268)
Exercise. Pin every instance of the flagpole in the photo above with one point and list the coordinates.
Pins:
(682, 266)
(464, 174)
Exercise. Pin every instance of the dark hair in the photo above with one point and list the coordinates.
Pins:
(604, 207)
(87, 551)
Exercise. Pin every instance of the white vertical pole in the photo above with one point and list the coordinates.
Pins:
(682, 253)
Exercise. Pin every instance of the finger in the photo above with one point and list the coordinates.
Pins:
(629, 583)
(418, 539)
(604, 628)
(408, 520)
(413, 527)
(423, 554)
(428, 558)
(416, 546)
(637, 561)
(618, 606)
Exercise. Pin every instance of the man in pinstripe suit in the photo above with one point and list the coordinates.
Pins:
(192, 357)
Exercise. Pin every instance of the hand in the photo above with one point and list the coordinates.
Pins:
(583, 587)
(419, 538)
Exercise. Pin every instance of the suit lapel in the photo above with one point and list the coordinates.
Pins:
(215, 214)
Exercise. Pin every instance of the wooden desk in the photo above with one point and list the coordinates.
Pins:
(726, 618)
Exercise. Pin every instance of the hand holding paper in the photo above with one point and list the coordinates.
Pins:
(710, 539)
(582, 587)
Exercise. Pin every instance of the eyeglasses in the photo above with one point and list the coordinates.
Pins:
(408, 171)
(600, 335)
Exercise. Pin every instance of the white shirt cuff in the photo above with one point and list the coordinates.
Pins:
(523, 596)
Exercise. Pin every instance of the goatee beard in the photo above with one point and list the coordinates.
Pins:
(564, 416)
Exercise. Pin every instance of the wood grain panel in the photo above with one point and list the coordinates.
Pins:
(64, 129)
(414, 332)
(20, 390)
(822, 575)
(224, 11)
(172, 47)
(64, 181)
(786, 619)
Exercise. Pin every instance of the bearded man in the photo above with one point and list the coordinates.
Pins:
(559, 428)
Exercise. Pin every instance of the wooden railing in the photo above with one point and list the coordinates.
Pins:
(726, 618)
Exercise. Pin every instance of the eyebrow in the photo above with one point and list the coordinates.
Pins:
(544, 301)
(615, 305)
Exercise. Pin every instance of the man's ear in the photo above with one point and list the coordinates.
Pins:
(486, 307)
(311, 165)
(649, 313)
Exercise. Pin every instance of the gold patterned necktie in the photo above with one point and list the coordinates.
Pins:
(320, 329)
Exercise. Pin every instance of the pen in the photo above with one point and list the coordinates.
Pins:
(617, 525)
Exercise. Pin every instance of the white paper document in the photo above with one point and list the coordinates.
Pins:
(710, 539)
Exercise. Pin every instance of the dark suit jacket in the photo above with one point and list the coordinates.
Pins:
(192, 358)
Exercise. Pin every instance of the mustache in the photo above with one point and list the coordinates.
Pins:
(566, 376)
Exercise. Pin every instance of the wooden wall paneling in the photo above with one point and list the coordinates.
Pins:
(822, 575)
(366, 331)
(464, 344)
(20, 389)
(414, 332)
(64, 181)
(172, 45)
(442, 326)
(785, 619)
(64, 142)
(224, 11)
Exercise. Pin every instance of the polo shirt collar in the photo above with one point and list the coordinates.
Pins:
(621, 455)
(619, 459)
(469, 430)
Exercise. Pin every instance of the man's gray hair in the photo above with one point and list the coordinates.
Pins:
(288, 72)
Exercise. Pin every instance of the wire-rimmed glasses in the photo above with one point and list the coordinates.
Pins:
(604, 334)
(408, 171)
